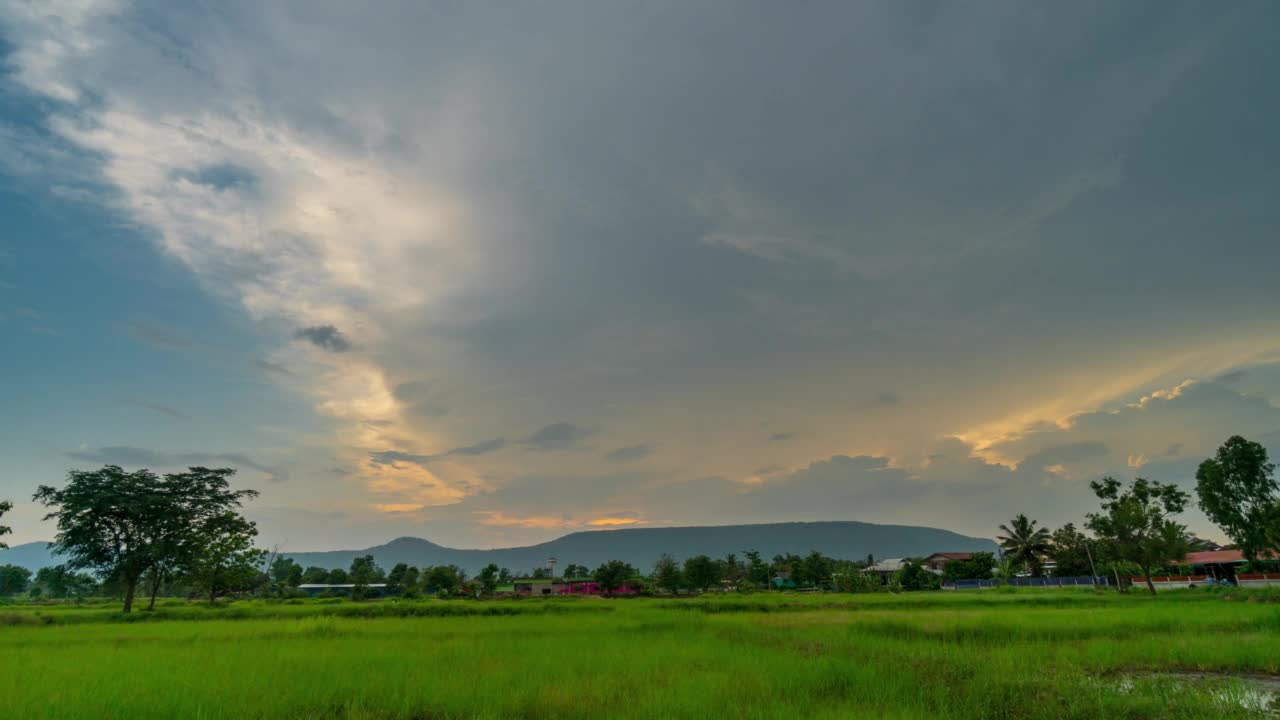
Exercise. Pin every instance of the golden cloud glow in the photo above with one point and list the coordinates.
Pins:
(399, 507)
(541, 522)
(609, 521)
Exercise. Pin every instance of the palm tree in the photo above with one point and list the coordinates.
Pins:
(1024, 543)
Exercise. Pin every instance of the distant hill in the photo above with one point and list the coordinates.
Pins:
(642, 546)
(31, 556)
(638, 546)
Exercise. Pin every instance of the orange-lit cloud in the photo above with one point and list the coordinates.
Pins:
(399, 507)
(542, 522)
(611, 521)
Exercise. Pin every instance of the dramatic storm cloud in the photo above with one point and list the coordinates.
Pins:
(487, 274)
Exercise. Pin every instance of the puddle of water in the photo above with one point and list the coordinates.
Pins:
(1250, 691)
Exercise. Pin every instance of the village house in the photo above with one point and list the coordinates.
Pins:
(570, 586)
(937, 562)
(886, 569)
(314, 589)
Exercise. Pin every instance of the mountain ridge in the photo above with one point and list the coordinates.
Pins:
(848, 539)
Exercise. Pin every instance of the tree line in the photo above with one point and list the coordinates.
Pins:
(183, 532)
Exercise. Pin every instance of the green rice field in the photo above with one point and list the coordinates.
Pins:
(990, 654)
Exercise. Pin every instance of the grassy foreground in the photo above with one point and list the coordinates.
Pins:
(1031, 654)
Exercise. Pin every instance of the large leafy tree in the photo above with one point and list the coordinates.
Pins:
(315, 575)
(978, 567)
(395, 578)
(286, 572)
(666, 574)
(106, 522)
(13, 580)
(913, 576)
(1024, 543)
(227, 560)
(757, 568)
(816, 569)
(488, 579)
(611, 575)
(363, 573)
(5, 506)
(1136, 526)
(1070, 550)
(123, 524)
(59, 582)
(201, 533)
(701, 572)
(732, 570)
(442, 579)
(1237, 490)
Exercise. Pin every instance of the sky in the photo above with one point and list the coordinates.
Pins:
(490, 273)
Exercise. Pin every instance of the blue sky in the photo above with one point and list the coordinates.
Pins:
(488, 275)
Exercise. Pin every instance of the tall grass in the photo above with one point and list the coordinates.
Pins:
(1028, 655)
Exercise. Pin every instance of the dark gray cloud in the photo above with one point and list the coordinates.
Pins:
(127, 456)
(480, 448)
(1064, 455)
(423, 398)
(558, 436)
(1228, 378)
(388, 457)
(630, 453)
(888, 398)
(270, 367)
(157, 336)
(161, 409)
(325, 337)
(781, 436)
(219, 177)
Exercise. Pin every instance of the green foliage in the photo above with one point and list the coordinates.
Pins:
(611, 575)
(488, 578)
(732, 570)
(858, 582)
(315, 576)
(59, 582)
(1237, 490)
(13, 580)
(1025, 543)
(757, 569)
(5, 506)
(978, 567)
(1135, 526)
(667, 575)
(124, 524)
(442, 580)
(914, 576)
(227, 561)
(364, 572)
(701, 572)
(1070, 550)
(286, 572)
(396, 578)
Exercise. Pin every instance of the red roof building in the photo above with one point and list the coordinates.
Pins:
(1215, 557)
(939, 560)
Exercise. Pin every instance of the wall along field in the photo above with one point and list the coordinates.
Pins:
(1029, 654)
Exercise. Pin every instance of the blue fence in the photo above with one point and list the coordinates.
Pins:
(1027, 582)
